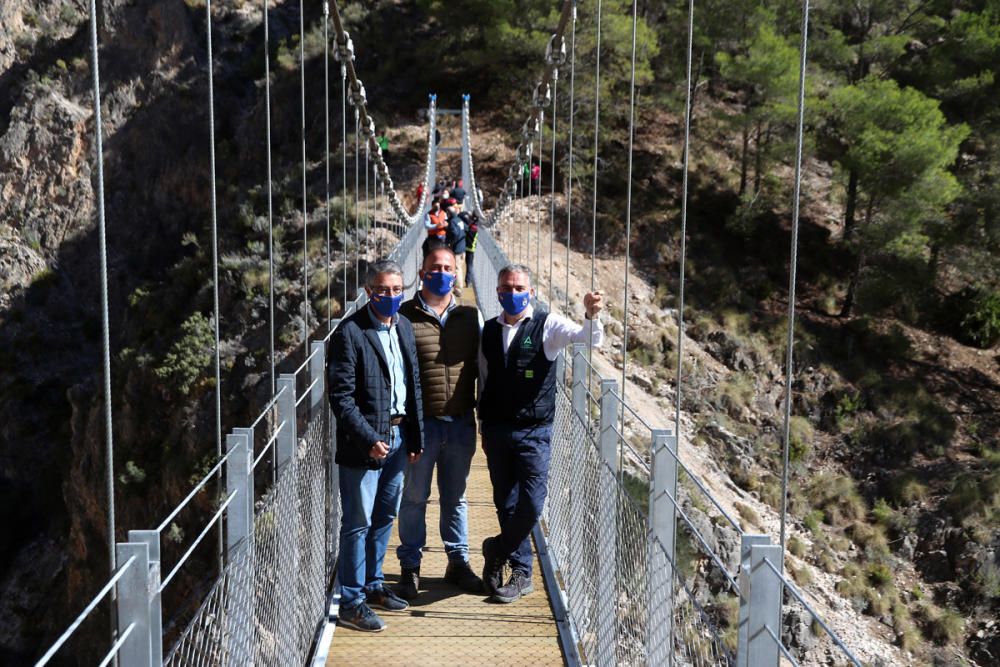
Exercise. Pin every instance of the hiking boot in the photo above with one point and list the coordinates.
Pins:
(409, 583)
(361, 618)
(460, 574)
(383, 598)
(517, 586)
(493, 569)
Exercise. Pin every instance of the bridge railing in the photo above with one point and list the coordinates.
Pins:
(634, 538)
(279, 510)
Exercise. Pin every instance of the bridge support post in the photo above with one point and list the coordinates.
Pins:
(579, 389)
(764, 618)
(239, 547)
(286, 517)
(747, 542)
(661, 558)
(152, 539)
(317, 377)
(578, 504)
(607, 533)
(134, 595)
(333, 486)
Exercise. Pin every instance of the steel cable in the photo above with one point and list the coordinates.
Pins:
(793, 269)
(628, 225)
(326, 135)
(109, 458)
(569, 175)
(552, 184)
(215, 256)
(305, 201)
(270, 195)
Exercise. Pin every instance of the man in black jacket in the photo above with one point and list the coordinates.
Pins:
(518, 350)
(374, 384)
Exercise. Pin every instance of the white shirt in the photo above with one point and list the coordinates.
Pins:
(557, 333)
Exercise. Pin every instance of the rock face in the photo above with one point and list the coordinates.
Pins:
(53, 557)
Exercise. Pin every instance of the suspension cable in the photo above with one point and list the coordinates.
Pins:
(572, 116)
(109, 459)
(270, 195)
(792, 275)
(326, 118)
(368, 220)
(552, 184)
(215, 258)
(597, 127)
(305, 201)
(538, 207)
(357, 199)
(593, 220)
(684, 210)
(343, 189)
(628, 223)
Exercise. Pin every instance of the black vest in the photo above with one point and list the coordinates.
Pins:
(520, 390)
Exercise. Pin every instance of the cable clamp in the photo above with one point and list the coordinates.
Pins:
(542, 97)
(554, 55)
(344, 52)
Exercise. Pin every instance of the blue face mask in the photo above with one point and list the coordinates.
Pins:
(514, 302)
(386, 306)
(439, 282)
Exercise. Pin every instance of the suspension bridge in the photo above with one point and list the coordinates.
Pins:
(626, 576)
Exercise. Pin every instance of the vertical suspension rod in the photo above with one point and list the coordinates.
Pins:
(790, 343)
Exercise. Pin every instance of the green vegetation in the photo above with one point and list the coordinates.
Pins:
(190, 356)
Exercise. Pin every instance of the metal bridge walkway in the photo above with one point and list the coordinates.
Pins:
(445, 626)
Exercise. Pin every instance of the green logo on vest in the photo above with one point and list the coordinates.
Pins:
(526, 342)
(529, 374)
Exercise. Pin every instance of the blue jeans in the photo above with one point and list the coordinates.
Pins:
(518, 460)
(369, 500)
(450, 446)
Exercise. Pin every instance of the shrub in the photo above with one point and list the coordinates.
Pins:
(942, 626)
(796, 546)
(980, 325)
(802, 575)
(800, 438)
(879, 575)
(747, 514)
(190, 355)
(838, 498)
(906, 489)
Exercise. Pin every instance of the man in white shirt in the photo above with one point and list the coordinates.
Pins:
(517, 357)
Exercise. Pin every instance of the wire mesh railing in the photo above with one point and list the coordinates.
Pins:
(280, 510)
(652, 568)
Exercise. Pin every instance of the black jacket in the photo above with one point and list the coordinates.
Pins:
(358, 382)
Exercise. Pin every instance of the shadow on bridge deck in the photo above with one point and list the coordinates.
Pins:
(448, 627)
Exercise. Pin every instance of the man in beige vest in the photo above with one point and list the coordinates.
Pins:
(447, 337)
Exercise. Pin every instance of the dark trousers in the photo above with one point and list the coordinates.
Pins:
(518, 460)
(469, 257)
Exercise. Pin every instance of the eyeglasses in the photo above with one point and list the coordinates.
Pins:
(387, 291)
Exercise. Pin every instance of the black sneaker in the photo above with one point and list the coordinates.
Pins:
(361, 618)
(493, 569)
(409, 583)
(516, 587)
(460, 574)
(383, 598)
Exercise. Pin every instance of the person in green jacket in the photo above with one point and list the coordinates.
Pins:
(383, 143)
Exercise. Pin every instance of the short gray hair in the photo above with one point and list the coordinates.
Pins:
(514, 268)
(380, 267)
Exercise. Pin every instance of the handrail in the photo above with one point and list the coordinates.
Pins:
(64, 637)
(790, 587)
(270, 443)
(194, 545)
(198, 487)
(113, 653)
